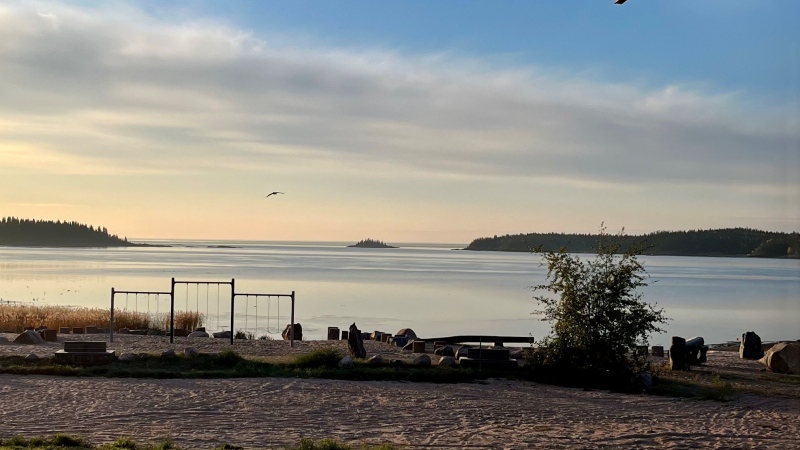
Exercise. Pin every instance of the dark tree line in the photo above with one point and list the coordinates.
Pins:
(721, 242)
(47, 233)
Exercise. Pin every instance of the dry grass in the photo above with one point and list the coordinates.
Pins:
(15, 317)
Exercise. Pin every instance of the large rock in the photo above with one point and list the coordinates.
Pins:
(444, 351)
(783, 357)
(29, 337)
(407, 333)
(447, 361)
(376, 360)
(462, 351)
(678, 354)
(422, 360)
(298, 332)
(222, 335)
(191, 352)
(198, 334)
(127, 357)
(750, 348)
(355, 342)
(346, 362)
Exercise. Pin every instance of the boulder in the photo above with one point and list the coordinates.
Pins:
(346, 363)
(376, 360)
(355, 343)
(407, 333)
(678, 354)
(461, 352)
(447, 361)
(127, 357)
(168, 354)
(3, 340)
(750, 348)
(29, 337)
(444, 351)
(191, 352)
(422, 360)
(31, 357)
(222, 335)
(783, 357)
(298, 332)
(198, 334)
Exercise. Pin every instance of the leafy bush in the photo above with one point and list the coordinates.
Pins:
(326, 357)
(597, 312)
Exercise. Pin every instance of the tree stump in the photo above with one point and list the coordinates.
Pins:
(678, 354)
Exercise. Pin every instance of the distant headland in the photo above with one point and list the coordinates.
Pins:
(16, 232)
(369, 243)
(729, 242)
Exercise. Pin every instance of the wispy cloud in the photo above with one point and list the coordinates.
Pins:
(127, 91)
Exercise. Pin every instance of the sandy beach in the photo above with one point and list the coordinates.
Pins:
(274, 412)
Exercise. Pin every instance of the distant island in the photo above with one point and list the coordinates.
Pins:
(369, 243)
(16, 232)
(720, 242)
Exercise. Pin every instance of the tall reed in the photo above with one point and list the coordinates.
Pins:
(15, 317)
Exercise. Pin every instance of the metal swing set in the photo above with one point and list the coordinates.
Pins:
(197, 284)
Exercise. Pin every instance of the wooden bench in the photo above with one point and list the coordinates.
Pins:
(84, 353)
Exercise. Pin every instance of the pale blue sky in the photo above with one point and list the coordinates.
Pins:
(404, 121)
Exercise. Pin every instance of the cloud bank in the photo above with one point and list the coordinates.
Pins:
(114, 90)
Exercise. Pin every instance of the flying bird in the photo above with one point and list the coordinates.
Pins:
(273, 193)
(619, 2)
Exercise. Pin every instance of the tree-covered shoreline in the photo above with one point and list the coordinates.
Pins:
(727, 242)
(15, 232)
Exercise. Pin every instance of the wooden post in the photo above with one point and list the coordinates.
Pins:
(291, 330)
(111, 322)
(418, 347)
(172, 312)
(233, 294)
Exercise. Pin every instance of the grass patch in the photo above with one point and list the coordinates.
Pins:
(322, 358)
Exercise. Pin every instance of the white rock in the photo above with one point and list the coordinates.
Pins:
(346, 362)
(126, 357)
(447, 361)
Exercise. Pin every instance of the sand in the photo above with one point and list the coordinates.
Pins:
(275, 412)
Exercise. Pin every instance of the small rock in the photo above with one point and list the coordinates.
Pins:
(127, 357)
(376, 360)
(31, 357)
(222, 335)
(346, 362)
(168, 353)
(3, 340)
(198, 334)
(397, 363)
(444, 351)
(422, 360)
(191, 352)
(29, 337)
(447, 361)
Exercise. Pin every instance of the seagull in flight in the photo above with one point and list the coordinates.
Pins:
(273, 193)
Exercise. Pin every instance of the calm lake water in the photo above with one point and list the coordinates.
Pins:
(430, 288)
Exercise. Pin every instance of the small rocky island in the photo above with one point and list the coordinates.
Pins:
(369, 243)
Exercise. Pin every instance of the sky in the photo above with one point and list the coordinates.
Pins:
(410, 121)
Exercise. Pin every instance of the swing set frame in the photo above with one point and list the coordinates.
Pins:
(171, 295)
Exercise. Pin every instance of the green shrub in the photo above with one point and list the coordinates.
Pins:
(321, 358)
(597, 313)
